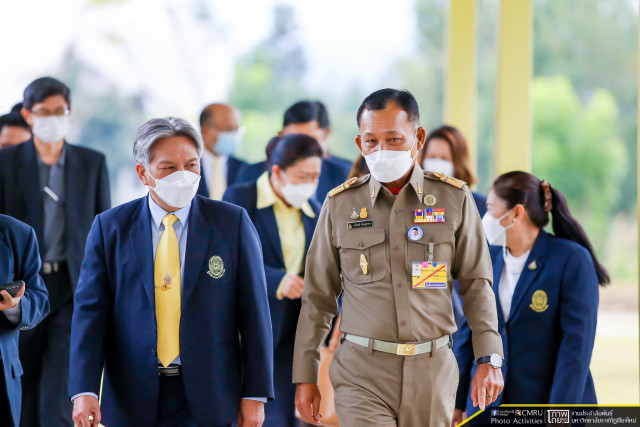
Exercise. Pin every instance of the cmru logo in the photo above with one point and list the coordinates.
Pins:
(558, 416)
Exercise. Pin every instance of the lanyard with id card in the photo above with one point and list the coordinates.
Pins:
(429, 274)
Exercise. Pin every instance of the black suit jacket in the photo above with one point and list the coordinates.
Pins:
(86, 189)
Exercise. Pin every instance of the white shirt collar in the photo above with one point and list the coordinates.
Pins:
(158, 214)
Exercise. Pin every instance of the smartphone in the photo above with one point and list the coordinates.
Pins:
(12, 288)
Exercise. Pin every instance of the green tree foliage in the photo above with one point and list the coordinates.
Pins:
(577, 148)
(267, 80)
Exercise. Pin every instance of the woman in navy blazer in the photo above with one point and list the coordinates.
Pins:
(280, 204)
(546, 289)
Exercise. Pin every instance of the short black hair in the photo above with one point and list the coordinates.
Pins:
(14, 118)
(305, 112)
(379, 99)
(42, 88)
(288, 149)
(205, 116)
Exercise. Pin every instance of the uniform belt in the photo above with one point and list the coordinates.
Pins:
(401, 349)
(49, 267)
(169, 371)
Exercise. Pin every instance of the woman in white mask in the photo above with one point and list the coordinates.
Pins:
(546, 288)
(446, 151)
(283, 210)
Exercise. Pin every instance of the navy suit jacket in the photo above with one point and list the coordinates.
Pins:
(233, 166)
(285, 312)
(334, 172)
(225, 330)
(19, 260)
(86, 191)
(548, 351)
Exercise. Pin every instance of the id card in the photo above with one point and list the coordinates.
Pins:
(429, 275)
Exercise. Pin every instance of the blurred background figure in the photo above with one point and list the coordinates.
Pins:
(57, 188)
(309, 118)
(446, 151)
(359, 168)
(283, 210)
(546, 289)
(19, 260)
(13, 128)
(222, 136)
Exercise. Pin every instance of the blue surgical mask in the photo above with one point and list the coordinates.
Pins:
(229, 142)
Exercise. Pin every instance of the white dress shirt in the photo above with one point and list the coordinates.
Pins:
(509, 279)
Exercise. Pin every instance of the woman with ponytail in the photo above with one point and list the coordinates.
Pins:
(546, 288)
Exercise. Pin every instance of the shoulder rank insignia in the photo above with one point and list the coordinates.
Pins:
(340, 188)
(450, 180)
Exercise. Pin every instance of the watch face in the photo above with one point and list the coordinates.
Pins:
(496, 360)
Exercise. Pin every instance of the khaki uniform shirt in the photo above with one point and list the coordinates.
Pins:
(379, 301)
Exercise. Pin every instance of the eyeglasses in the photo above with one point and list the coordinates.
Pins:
(43, 112)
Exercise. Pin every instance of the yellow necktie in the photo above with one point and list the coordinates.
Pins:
(167, 284)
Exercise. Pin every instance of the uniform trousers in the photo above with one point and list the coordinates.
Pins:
(5, 410)
(44, 354)
(374, 388)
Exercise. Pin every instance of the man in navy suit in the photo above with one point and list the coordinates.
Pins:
(308, 118)
(57, 188)
(19, 260)
(222, 136)
(202, 357)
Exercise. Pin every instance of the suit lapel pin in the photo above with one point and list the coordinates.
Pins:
(532, 266)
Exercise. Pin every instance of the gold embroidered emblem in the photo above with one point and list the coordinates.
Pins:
(539, 301)
(340, 188)
(216, 267)
(363, 213)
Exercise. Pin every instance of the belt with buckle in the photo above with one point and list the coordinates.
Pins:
(169, 371)
(49, 267)
(401, 349)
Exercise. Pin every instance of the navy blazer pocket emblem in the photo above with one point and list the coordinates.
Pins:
(539, 301)
(216, 267)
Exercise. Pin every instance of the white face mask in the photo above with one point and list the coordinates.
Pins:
(177, 189)
(494, 231)
(297, 194)
(389, 165)
(438, 165)
(50, 129)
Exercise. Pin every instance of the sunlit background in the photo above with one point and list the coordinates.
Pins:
(129, 60)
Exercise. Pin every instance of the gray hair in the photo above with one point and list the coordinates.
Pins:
(156, 129)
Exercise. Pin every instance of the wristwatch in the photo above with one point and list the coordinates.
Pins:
(493, 360)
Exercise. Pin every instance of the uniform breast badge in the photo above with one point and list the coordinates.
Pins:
(363, 213)
(429, 215)
(364, 265)
(430, 200)
(539, 301)
(216, 267)
(354, 214)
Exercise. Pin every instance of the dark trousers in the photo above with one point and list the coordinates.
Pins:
(173, 408)
(5, 409)
(44, 353)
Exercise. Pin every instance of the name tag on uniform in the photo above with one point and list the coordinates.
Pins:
(359, 224)
(429, 275)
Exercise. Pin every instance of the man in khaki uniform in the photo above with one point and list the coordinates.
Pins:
(393, 242)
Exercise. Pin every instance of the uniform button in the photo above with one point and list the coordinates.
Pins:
(153, 351)
(361, 244)
(399, 285)
(396, 247)
(396, 212)
(404, 323)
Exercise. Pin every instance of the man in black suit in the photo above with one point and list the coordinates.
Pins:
(58, 189)
(222, 136)
(308, 118)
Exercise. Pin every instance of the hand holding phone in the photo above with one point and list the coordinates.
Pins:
(10, 294)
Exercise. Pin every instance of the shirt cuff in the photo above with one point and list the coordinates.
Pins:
(88, 393)
(258, 399)
(14, 315)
